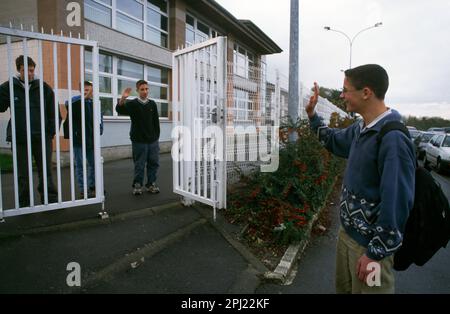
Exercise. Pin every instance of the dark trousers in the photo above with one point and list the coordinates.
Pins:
(22, 169)
(145, 156)
(90, 165)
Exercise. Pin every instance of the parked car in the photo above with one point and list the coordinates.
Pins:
(421, 142)
(414, 133)
(438, 152)
(411, 127)
(440, 130)
(447, 130)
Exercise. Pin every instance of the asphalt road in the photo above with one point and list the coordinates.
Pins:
(316, 269)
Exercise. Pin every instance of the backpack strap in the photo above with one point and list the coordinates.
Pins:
(391, 126)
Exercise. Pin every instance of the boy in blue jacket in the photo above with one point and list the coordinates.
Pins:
(77, 132)
(378, 186)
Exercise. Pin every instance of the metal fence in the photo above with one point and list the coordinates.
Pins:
(254, 106)
(36, 117)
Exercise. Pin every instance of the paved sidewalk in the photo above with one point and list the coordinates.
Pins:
(316, 270)
(150, 244)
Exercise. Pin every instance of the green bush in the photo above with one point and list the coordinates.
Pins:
(6, 163)
(276, 207)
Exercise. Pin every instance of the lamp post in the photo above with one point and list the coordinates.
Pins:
(293, 66)
(352, 40)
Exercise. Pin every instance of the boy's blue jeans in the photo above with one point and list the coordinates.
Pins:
(145, 155)
(90, 167)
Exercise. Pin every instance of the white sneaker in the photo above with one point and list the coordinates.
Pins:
(153, 188)
(137, 190)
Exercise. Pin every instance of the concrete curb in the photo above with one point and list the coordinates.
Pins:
(91, 222)
(292, 254)
(284, 268)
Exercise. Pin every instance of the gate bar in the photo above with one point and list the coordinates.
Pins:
(69, 87)
(13, 121)
(83, 123)
(58, 148)
(43, 128)
(46, 37)
(28, 123)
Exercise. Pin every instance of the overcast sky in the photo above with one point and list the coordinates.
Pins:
(413, 44)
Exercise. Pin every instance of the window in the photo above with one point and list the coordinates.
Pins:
(243, 106)
(105, 79)
(143, 19)
(159, 89)
(131, 7)
(197, 32)
(157, 22)
(129, 26)
(160, 5)
(156, 37)
(97, 12)
(117, 74)
(130, 69)
(446, 142)
(244, 62)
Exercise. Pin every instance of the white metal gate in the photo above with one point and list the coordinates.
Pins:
(17, 42)
(199, 108)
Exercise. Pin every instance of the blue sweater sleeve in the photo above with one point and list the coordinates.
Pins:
(337, 141)
(396, 165)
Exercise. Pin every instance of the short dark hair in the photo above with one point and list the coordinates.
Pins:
(141, 82)
(88, 83)
(372, 76)
(21, 62)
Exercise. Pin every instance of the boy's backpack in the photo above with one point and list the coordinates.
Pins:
(428, 225)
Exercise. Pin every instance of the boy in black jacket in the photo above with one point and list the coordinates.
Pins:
(144, 135)
(35, 129)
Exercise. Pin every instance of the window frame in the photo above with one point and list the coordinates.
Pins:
(213, 33)
(143, 22)
(250, 63)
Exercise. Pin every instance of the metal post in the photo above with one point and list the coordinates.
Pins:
(83, 122)
(99, 184)
(294, 66)
(175, 79)
(43, 127)
(56, 91)
(28, 121)
(13, 121)
(69, 87)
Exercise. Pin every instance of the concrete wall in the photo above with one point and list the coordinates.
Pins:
(19, 12)
(117, 132)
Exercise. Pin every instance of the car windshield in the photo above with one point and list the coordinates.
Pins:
(426, 137)
(446, 142)
(414, 133)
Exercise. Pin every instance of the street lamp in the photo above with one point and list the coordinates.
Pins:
(328, 28)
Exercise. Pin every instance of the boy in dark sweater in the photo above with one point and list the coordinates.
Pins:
(21, 149)
(144, 135)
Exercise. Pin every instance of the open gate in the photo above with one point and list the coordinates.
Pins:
(199, 111)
